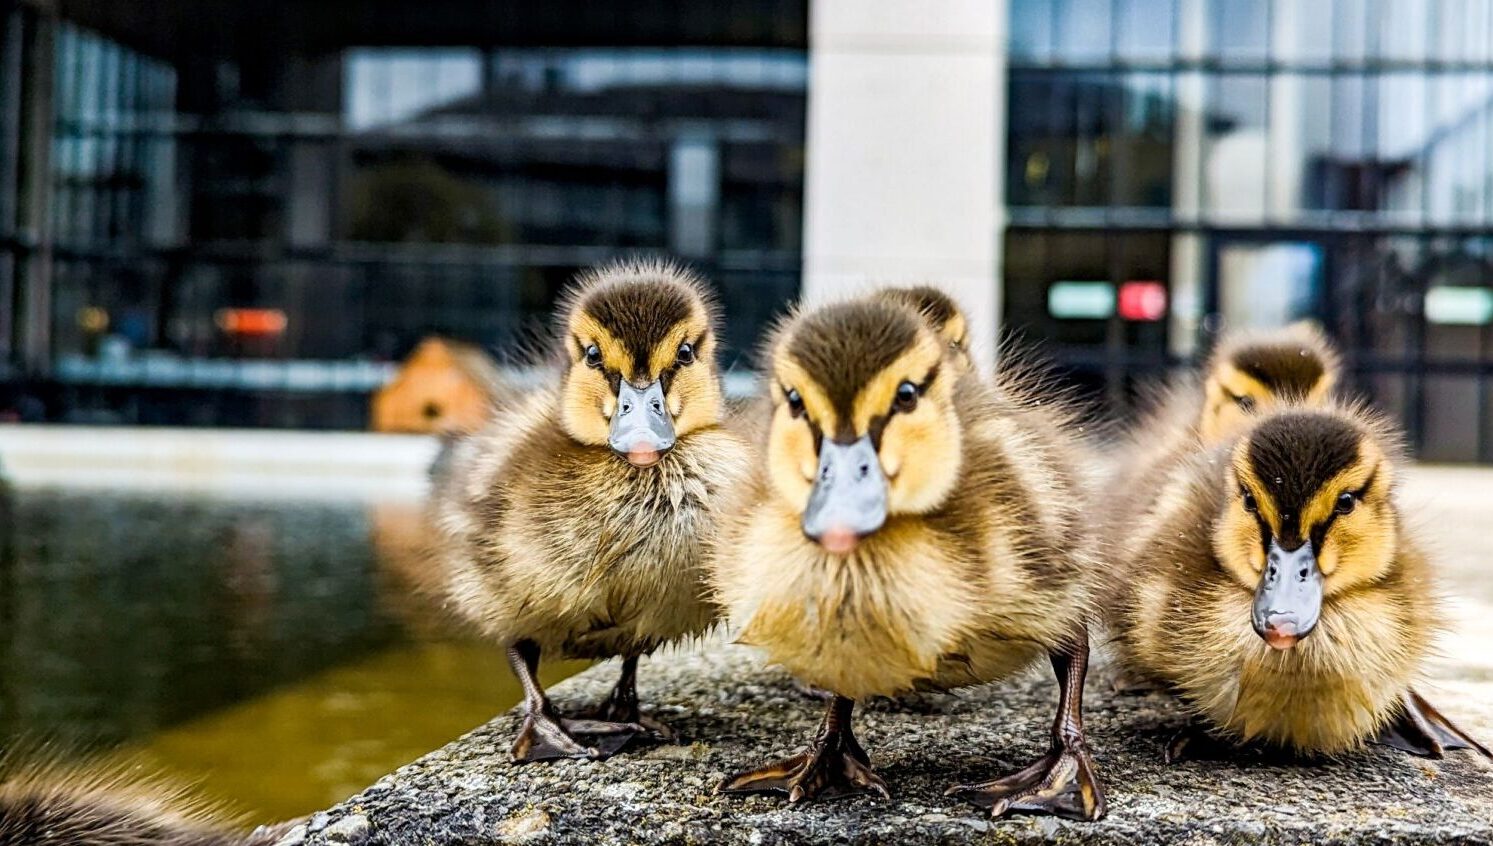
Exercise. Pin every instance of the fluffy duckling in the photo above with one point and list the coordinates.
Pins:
(575, 522)
(1251, 372)
(941, 312)
(43, 801)
(1272, 586)
(1247, 373)
(908, 528)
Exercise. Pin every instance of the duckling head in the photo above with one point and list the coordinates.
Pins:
(1253, 372)
(639, 340)
(864, 426)
(942, 314)
(1308, 514)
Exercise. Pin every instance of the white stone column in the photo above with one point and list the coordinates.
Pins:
(906, 151)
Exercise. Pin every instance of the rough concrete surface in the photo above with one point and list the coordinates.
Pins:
(732, 713)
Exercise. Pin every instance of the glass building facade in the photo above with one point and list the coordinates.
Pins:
(226, 214)
(214, 212)
(1260, 161)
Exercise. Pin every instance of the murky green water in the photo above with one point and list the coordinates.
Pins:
(280, 652)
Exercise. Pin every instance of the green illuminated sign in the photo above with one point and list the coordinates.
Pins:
(1081, 300)
(1460, 306)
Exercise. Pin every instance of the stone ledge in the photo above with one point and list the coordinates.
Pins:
(731, 714)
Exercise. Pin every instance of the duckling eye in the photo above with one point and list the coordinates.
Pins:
(795, 403)
(907, 397)
(593, 356)
(686, 353)
(1246, 404)
(1249, 502)
(1345, 503)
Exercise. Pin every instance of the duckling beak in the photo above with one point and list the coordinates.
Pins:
(1288, 600)
(642, 430)
(848, 500)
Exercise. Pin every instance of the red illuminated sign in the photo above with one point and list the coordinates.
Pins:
(251, 321)
(1142, 301)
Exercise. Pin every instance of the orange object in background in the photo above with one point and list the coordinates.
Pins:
(444, 386)
(251, 321)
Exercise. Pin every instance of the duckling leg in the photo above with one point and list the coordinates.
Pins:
(1063, 781)
(1420, 729)
(544, 734)
(834, 765)
(621, 706)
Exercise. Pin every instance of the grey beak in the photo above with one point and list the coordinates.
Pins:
(1288, 600)
(848, 500)
(641, 423)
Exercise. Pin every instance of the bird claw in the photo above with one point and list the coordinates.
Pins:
(1420, 729)
(545, 737)
(627, 718)
(823, 772)
(1062, 783)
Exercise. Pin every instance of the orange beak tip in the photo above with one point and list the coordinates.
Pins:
(839, 540)
(1281, 640)
(643, 457)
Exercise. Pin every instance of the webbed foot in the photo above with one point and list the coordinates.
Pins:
(621, 710)
(543, 736)
(1420, 729)
(1061, 783)
(834, 765)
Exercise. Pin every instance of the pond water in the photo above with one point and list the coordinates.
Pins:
(281, 653)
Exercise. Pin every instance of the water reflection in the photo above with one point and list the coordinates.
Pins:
(280, 651)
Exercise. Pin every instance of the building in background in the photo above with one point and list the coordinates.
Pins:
(243, 213)
(1176, 167)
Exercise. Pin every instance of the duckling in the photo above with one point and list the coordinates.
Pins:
(44, 801)
(941, 312)
(1272, 586)
(1247, 373)
(1250, 372)
(575, 522)
(908, 527)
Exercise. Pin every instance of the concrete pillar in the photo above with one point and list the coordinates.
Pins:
(906, 145)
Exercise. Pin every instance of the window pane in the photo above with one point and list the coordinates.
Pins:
(1145, 30)
(1039, 136)
(1083, 30)
(1143, 142)
(1456, 153)
(1304, 31)
(1403, 29)
(1350, 30)
(1031, 30)
(1061, 132)
(1239, 29)
(1477, 31)
(1402, 144)
(1234, 152)
(1095, 104)
(1448, 29)
(1303, 167)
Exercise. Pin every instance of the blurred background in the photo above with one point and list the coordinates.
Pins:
(218, 216)
(216, 213)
